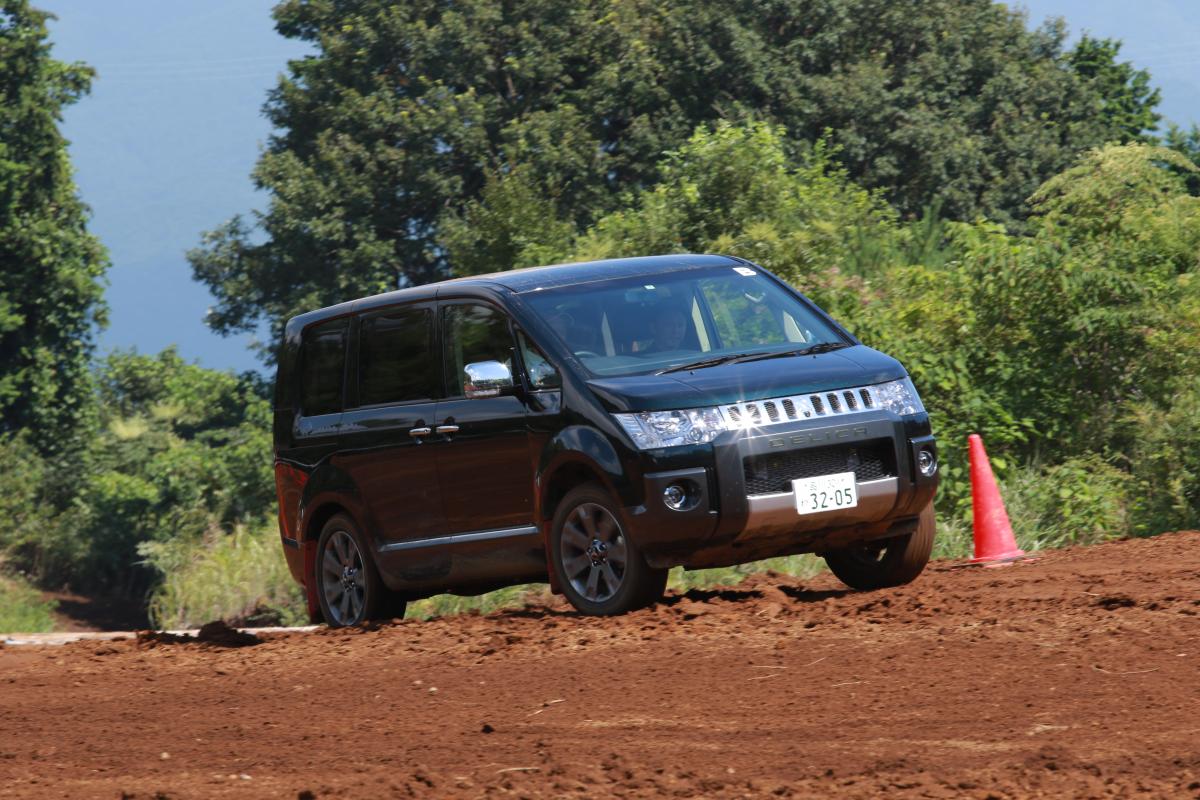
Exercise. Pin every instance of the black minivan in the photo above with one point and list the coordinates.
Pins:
(592, 425)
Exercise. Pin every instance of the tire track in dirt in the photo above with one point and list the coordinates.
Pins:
(1073, 675)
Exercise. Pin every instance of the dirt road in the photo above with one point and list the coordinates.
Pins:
(1076, 675)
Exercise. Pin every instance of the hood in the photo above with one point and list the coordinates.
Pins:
(756, 380)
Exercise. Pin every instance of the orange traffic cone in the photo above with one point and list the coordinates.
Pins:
(994, 541)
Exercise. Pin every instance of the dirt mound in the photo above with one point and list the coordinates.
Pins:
(1073, 675)
(216, 633)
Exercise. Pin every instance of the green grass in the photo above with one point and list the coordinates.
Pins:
(802, 566)
(955, 537)
(230, 576)
(448, 605)
(445, 605)
(1082, 501)
(22, 609)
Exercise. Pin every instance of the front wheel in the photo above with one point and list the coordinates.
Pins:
(600, 569)
(348, 585)
(886, 562)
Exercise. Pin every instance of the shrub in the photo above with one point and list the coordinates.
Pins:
(22, 609)
(1165, 461)
(236, 576)
(1081, 501)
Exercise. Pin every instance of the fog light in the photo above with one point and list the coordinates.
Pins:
(675, 497)
(927, 462)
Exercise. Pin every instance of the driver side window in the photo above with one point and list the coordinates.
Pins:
(472, 333)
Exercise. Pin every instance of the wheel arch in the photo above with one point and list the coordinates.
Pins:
(314, 516)
(565, 473)
(319, 516)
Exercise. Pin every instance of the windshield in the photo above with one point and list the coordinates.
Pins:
(631, 326)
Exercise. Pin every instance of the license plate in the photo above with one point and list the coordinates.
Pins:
(825, 493)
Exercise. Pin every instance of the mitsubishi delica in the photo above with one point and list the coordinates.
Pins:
(591, 425)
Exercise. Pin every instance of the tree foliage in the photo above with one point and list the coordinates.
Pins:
(416, 131)
(50, 267)
(1056, 345)
(178, 449)
(1123, 91)
(1187, 142)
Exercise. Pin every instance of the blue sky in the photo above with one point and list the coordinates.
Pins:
(163, 149)
(164, 145)
(1162, 36)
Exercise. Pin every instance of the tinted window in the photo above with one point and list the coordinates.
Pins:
(396, 357)
(323, 361)
(474, 333)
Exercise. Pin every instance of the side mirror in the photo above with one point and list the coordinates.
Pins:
(486, 379)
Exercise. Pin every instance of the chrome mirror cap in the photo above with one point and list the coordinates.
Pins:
(486, 379)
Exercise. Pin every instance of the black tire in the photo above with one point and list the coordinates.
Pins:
(886, 562)
(595, 569)
(348, 585)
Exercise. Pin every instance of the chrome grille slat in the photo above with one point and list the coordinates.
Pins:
(815, 405)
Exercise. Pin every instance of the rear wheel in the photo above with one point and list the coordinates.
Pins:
(886, 562)
(348, 585)
(600, 569)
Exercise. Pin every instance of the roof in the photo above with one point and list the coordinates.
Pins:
(524, 280)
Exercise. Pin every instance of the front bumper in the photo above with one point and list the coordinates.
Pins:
(742, 507)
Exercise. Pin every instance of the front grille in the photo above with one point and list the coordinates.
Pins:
(773, 473)
(806, 406)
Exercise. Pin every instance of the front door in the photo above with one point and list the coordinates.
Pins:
(484, 464)
(387, 450)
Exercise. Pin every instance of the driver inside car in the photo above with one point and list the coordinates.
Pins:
(669, 328)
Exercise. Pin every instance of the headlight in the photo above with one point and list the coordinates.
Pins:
(899, 397)
(650, 429)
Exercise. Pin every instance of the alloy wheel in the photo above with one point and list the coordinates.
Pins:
(343, 579)
(594, 552)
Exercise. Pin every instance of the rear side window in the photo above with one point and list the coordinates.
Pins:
(396, 361)
(474, 333)
(322, 366)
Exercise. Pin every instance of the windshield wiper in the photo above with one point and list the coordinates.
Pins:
(711, 362)
(742, 358)
(811, 350)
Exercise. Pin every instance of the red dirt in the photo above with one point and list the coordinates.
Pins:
(1073, 675)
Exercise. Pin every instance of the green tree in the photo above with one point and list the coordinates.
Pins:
(512, 224)
(1124, 93)
(1187, 142)
(414, 129)
(735, 189)
(50, 267)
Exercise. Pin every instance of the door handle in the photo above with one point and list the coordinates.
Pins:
(447, 429)
(417, 433)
